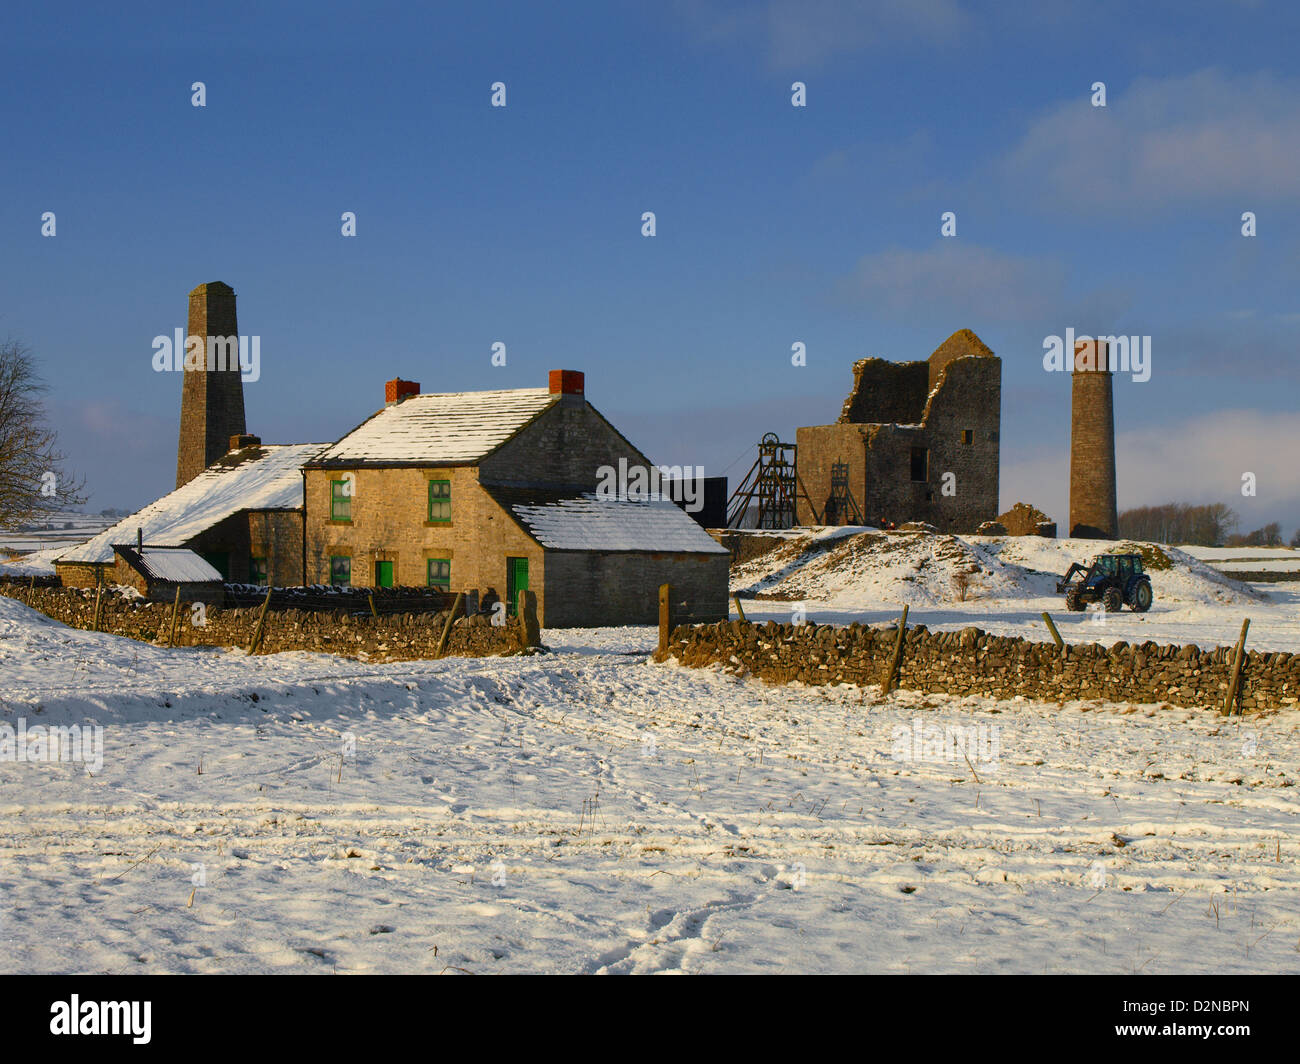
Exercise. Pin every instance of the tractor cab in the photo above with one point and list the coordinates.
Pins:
(1115, 580)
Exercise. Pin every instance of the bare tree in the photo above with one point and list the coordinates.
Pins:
(1268, 536)
(32, 479)
(1175, 522)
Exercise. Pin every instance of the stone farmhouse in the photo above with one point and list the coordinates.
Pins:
(497, 491)
(918, 441)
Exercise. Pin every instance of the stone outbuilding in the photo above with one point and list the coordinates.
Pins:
(243, 515)
(159, 572)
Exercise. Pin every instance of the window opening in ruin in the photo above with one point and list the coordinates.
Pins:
(967, 436)
(920, 464)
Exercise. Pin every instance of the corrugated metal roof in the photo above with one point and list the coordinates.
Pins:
(173, 565)
(255, 478)
(451, 428)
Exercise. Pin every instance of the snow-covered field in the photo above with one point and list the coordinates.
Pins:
(590, 811)
(59, 530)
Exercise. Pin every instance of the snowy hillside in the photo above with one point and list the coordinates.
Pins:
(851, 567)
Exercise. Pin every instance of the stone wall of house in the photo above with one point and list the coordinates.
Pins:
(972, 662)
(565, 446)
(77, 574)
(390, 522)
(395, 637)
(276, 535)
(593, 588)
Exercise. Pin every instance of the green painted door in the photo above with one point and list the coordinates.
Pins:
(383, 574)
(516, 581)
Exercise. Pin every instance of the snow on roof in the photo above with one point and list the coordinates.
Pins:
(174, 565)
(447, 428)
(255, 478)
(572, 521)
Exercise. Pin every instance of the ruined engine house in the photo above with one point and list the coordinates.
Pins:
(920, 441)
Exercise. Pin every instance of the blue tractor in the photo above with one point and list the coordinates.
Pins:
(1114, 580)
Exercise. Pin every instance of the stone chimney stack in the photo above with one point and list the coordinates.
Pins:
(212, 398)
(1094, 513)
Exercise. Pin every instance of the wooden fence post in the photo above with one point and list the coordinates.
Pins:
(1237, 659)
(897, 656)
(665, 618)
(526, 613)
(739, 609)
(176, 609)
(99, 594)
(446, 628)
(1060, 643)
(256, 641)
(373, 612)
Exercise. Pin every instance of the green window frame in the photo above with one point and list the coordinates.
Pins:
(440, 573)
(341, 570)
(340, 501)
(257, 571)
(440, 500)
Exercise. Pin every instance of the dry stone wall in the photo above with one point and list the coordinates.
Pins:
(394, 637)
(973, 662)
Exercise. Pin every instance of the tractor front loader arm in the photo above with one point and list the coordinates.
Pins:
(1064, 582)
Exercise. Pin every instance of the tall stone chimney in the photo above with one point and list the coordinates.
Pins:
(212, 399)
(1094, 513)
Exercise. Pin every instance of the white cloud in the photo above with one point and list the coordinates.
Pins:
(1165, 142)
(797, 33)
(956, 280)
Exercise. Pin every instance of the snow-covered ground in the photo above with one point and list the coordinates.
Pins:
(590, 811)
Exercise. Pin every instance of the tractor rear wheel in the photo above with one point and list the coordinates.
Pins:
(1142, 597)
(1112, 600)
(1072, 599)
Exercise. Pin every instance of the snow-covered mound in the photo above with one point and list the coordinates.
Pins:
(1176, 576)
(857, 567)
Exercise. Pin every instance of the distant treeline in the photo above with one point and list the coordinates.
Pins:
(1208, 525)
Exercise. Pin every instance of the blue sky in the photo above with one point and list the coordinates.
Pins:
(775, 224)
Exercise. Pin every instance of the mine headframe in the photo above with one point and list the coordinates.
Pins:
(772, 488)
(842, 508)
